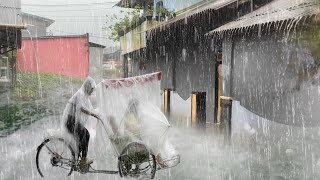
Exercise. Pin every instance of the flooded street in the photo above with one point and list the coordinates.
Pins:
(259, 149)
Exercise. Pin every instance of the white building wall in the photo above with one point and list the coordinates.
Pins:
(95, 63)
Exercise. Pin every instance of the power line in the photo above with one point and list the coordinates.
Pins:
(93, 20)
(79, 18)
(69, 10)
(90, 34)
(58, 5)
(81, 21)
(74, 19)
(104, 16)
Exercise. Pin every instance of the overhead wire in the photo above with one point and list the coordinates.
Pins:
(69, 10)
(58, 5)
(90, 34)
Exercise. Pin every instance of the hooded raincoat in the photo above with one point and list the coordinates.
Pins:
(73, 119)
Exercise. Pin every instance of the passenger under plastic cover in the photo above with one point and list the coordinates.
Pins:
(131, 114)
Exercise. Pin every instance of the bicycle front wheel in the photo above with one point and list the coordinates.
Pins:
(55, 158)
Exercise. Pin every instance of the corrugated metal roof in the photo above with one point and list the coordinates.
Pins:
(10, 12)
(10, 3)
(278, 10)
(28, 16)
(91, 44)
(56, 37)
(212, 4)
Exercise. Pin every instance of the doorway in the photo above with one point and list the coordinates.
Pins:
(198, 109)
(218, 87)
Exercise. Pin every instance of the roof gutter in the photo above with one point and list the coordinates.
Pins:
(4, 26)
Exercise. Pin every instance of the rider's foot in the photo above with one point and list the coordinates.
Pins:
(84, 161)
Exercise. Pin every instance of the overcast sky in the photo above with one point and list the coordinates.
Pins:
(75, 16)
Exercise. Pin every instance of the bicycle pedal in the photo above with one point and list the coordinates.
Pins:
(84, 169)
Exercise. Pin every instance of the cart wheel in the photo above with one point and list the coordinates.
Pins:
(123, 171)
(55, 157)
(120, 169)
(153, 165)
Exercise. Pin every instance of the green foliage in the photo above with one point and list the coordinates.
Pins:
(130, 20)
(37, 85)
(123, 22)
(14, 116)
(164, 11)
(311, 39)
(32, 99)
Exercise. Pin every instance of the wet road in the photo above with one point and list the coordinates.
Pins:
(260, 149)
(200, 154)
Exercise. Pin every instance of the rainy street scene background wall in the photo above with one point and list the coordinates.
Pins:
(239, 89)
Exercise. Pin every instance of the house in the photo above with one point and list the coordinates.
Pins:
(4, 66)
(112, 64)
(10, 39)
(73, 56)
(261, 53)
(36, 26)
(270, 61)
(189, 61)
(134, 38)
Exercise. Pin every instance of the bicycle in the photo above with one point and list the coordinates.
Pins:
(57, 155)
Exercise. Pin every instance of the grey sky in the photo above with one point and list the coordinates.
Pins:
(80, 17)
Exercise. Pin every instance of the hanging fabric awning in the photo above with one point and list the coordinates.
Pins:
(276, 11)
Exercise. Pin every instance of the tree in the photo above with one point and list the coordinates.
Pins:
(121, 25)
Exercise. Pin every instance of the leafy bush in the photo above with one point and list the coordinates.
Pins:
(14, 116)
(37, 85)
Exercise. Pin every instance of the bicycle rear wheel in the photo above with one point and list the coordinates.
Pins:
(55, 158)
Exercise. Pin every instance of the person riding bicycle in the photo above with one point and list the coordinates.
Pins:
(76, 113)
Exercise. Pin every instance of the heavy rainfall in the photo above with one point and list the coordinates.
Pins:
(160, 89)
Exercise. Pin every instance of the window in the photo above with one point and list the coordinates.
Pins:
(160, 15)
(3, 73)
(159, 4)
(4, 68)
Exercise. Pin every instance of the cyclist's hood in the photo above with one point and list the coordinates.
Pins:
(88, 86)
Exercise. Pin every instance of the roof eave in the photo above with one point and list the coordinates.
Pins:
(254, 18)
(15, 26)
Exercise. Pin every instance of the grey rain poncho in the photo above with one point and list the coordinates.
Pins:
(81, 99)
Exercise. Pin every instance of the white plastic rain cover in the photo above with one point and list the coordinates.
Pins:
(130, 109)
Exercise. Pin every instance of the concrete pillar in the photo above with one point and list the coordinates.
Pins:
(198, 109)
(226, 114)
(125, 65)
(166, 101)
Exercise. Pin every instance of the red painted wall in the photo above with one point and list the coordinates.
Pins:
(60, 55)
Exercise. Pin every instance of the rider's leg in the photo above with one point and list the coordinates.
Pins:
(84, 142)
(71, 127)
(84, 137)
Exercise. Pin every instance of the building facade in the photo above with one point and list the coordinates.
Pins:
(10, 39)
(72, 56)
(36, 26)
(179, 48)
(196, 65)
(270, 61)
(96, 61)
